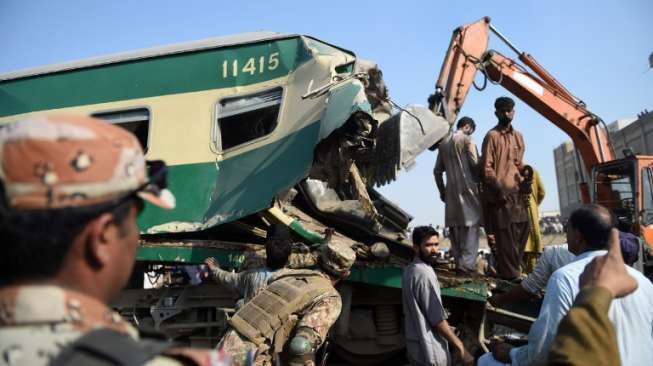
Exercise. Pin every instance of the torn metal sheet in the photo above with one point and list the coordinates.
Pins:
(401, 138)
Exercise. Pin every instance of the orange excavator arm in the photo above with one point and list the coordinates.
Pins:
(468, 54)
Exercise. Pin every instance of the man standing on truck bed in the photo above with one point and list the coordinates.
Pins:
(505, 211)
(533, 247)
(427, 330)
(458, 157)
(70, 191)
(297, 307)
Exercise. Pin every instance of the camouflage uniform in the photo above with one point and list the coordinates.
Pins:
(57, 162)
(315, 318)
(37, 322)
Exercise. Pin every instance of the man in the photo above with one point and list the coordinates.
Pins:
(588, 231)
(458, 157)
(296, 305)
(248, 283)
(427, 330)
(603, 280)
(533, 247)
(505, 212)
(553, 258)
(70, 191)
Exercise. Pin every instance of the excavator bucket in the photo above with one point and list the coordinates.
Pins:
(419, 129)
(403, 137)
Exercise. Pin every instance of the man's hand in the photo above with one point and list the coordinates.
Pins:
(447, 332)
(609, 271)
(466, 358)
(501, 351)
(503, 199)
(212, 263)
(442, 197)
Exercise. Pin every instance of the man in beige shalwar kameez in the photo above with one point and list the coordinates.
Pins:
(458, 157)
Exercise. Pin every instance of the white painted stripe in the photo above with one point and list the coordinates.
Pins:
(528, 82)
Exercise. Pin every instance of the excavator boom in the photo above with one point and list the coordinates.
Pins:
(468, 53)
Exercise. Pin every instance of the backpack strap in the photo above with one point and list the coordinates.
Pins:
(107, 347)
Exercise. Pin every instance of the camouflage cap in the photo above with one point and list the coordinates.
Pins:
(50, 162)
(337, 258)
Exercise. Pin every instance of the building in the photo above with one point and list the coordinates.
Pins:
(570, 172)
(634, 133)
(637, 136)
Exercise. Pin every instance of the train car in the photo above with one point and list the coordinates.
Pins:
(256, 128)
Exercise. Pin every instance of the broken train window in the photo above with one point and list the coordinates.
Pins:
(246, 118)
(135, 120)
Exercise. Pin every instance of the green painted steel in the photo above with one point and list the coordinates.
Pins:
(239, 186)
(163, 75)
(391, 277)
(193, 185)
(381, 276)
(386, 276)
(309, 235)
(476, 291)
(344, 100)
(231, 259)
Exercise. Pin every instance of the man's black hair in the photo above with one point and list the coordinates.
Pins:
(277, 252)
(278, 232)
(36, 242)
(432, 100)
(504, 104)
(594, 223)
(422, 233)
(465, 121)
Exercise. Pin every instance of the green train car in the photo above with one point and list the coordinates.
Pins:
(256, 128)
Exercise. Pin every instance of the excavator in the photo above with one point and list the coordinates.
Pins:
(622, 185)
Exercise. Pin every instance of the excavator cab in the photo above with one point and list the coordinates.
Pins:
(625, 186)
(615, 188)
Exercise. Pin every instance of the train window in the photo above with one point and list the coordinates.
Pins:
(136, 121)
(246, 118)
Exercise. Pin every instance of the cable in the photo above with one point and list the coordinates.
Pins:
(410, 114)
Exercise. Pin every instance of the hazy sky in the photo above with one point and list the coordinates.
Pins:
(598, 49)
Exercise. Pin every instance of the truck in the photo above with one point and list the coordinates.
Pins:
(265, 127)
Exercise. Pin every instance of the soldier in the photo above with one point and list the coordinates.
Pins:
(300, 305)
(70, 191)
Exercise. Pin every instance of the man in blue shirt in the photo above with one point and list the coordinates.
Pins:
(588, 231)
(427, 330)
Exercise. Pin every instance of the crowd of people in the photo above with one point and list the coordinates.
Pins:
(551, 225)
(501, 193)
(494, 190)
(71, 189)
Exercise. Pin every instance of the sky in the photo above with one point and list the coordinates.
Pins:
(599, 50)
